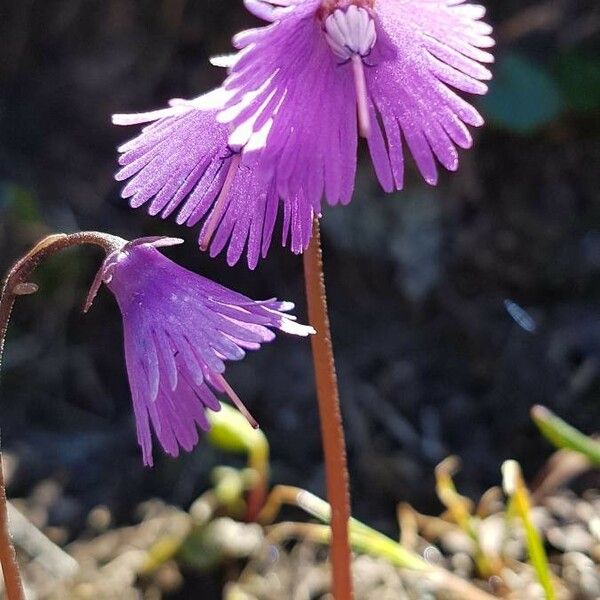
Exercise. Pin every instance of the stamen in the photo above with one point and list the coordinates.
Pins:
(350, 31)
(221, 203)
(351, 35)
(236, 400)
(362, 101)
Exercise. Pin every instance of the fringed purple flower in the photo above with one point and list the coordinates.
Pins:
(297, 86)
(182, 161)
(284, 128)
(179, 330)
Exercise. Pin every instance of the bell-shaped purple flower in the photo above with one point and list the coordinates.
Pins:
(283, 129)
(320, 64)
(182, 161)
(179, 329)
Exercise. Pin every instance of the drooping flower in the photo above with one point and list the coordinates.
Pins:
(284, 127)
(183, 161)
(297, 86)
(179, 329)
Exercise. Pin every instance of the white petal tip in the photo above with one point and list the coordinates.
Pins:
(294, 328)
(121, 119)
(225, 61)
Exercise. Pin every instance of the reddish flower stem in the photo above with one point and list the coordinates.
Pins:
(332, 431)
(256, 498)
(16, 284)
(10, 568)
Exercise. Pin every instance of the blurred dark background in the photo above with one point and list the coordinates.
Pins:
(430, 361)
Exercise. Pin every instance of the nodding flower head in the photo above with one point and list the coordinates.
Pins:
(183, 163)
(179, 330)
(283, 129)
(325, 70)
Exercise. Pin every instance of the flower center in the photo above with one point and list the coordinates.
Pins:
(328, 6)
(350, 32)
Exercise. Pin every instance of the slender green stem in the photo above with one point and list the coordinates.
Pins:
(520, 504)
(231, 431)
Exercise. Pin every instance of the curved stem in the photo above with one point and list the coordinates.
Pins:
(332, 431)
(16, 284)
(8, 558)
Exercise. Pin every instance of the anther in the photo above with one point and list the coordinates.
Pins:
(350, 32)
(351, 35)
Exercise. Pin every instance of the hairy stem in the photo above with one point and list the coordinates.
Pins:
(16, 284)
(10, 568)
(332, 431)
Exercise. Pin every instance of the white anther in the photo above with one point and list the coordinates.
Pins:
(350, 32)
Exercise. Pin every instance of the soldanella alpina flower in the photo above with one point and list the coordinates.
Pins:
(283, 129)
(303, 87)
(179, 329)
(183, 163)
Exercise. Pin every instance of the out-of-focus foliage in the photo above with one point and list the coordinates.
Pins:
(230, 431)
(437, 556)
(520, 506)
(526, 94)
(578, 75)
(523, 95)
(562, 435)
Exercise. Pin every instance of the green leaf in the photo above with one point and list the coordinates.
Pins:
(21, 201)
(562, 435)
(230, 431)
(523, 95)
(363, 537)
(578, 76)
(515, 488)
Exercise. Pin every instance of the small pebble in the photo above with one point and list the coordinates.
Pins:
(590, 584)
(584, 511)
(514, 549)
(578, 560)
(561, 507)
(462, 564)
(541, 517)
(168, 577)
(492, 532)
(99, 518)
(432, 555)
(457, 541)
(571, 538)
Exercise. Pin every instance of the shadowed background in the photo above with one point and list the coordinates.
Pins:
(430, 361)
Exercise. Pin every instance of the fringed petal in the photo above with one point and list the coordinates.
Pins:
(286, 76)
(180, 164)
(179, 329)
(429, 45)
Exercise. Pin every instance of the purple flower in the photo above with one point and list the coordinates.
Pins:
(183, 161)
(284, 127)
(179, 330)
(297, 85)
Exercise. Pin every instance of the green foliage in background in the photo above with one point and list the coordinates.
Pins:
(578, 75)
(527, 95)
(562, 435)
(523, 95)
